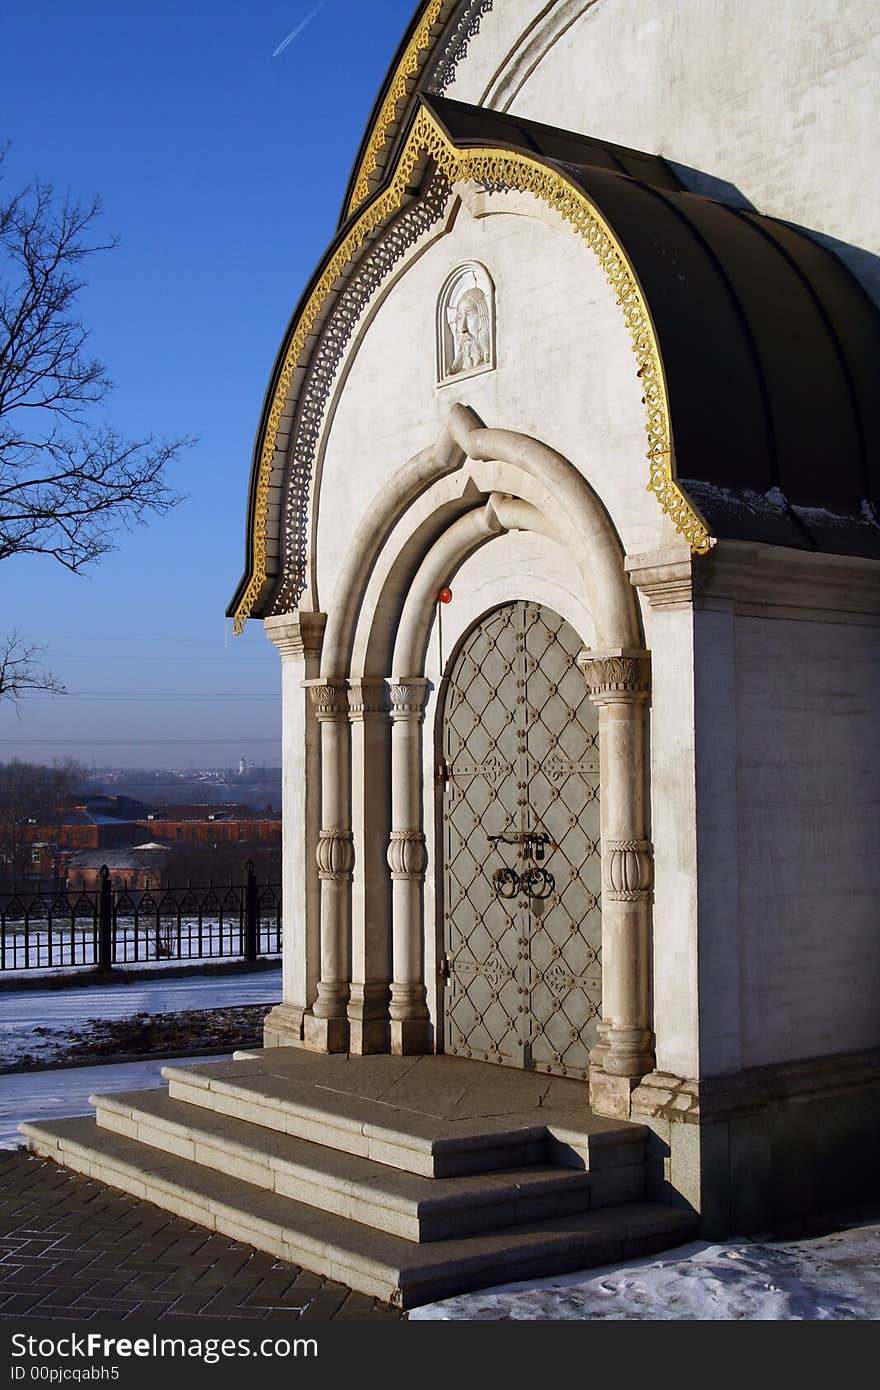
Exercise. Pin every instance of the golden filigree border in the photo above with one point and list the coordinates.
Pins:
(409, 64)
(505, 169)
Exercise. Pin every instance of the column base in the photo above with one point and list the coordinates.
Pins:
(368, 1036)
(368, 1019)
(611, 1095)
(325, 1034)
(409, 1037)
(283, 1026)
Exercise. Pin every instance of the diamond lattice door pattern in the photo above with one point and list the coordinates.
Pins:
(521, 850)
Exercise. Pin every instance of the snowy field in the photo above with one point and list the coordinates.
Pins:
(35, 1021)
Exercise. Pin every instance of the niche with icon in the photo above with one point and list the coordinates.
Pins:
(465, 323)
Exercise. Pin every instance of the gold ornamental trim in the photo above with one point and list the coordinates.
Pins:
(502, 169)
(397, 94)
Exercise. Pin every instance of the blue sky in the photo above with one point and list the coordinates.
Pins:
(222, 171)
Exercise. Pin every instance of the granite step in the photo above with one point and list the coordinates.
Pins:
(344, 1184)
(373, 1262)
(258, 1090)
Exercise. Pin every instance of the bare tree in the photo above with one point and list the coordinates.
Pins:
(68, 480)
(33, 800)
(21, 669)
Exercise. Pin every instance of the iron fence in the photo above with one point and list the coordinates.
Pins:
(118, 926)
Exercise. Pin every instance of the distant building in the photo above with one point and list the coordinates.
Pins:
(142, 866)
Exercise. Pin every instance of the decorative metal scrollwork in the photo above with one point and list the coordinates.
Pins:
(537, 883)
(506, 882)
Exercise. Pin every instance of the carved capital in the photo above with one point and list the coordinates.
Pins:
(297, 635)
(408, 697)
(407, 855)
(627, 870)
(335, 855)
(616, 675)
(329, 698)
(366, 696)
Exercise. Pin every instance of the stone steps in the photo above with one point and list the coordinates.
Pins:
(429, 1145)
(344, 1184)
(376, 1262)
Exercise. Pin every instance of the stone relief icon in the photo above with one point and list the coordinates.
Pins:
(465, 323)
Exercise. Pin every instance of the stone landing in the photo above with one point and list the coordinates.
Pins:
(408, 1179)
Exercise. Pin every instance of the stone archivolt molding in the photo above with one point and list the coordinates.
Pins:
(628, 870)
(495, 169)
(616, 674)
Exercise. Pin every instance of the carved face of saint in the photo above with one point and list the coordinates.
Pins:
(470, 329)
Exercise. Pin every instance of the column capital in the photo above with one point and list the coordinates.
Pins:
(409, 696)
(329, 697)
(296, 634)
(619, 673)
(367, 695)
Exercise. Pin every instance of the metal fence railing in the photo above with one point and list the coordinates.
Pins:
(112, 926)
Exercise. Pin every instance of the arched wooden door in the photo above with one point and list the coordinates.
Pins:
(521, 852)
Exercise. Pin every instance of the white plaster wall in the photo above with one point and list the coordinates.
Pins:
(566, 374)
(794, 788)
(672, 788)
(779, 100)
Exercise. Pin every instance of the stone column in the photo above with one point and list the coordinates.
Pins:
(407, 860)
(619, 683)
(325, 1029)
(371, 890)
(298, 638)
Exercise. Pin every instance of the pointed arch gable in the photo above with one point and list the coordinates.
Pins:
(428, 141)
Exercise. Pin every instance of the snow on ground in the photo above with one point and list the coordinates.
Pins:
(59, 1006)
(49, 1095)
(35, 1021)
(834, 1277)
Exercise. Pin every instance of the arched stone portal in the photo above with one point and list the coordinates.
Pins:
(370, 700)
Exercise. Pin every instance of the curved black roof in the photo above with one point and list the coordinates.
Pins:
(769, 344)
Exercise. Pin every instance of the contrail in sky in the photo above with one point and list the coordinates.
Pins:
(299, 28)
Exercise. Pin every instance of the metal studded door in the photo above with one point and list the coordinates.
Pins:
(521, 853)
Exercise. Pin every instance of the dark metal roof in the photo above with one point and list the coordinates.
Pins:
(769, 345)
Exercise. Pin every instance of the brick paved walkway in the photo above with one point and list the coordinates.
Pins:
(73, 1248)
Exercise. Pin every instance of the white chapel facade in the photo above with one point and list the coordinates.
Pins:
(564, 520)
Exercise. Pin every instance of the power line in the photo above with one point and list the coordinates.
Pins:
(150, 695)
(106, 637)
(247, 739)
